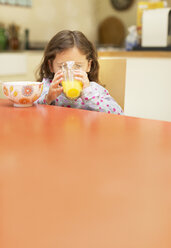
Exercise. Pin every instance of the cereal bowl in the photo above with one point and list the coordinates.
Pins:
(22, 94)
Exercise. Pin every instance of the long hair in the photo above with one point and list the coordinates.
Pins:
(64, 40)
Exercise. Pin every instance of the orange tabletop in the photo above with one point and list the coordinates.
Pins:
(80, 179)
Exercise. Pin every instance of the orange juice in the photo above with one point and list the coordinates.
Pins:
(72, 89)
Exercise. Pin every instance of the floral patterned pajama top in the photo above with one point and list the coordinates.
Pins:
(94, 97)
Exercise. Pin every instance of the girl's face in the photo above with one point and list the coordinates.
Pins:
(71, 54)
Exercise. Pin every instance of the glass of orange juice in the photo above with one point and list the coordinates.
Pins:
(71, 87)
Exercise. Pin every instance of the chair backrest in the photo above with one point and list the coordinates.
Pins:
(1, 93)
(112, 76)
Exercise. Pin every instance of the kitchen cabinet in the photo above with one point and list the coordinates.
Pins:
(147, 92)
(19, 66)
(13, 64)
(148, 88)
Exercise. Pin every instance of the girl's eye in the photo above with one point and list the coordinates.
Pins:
(77, 66)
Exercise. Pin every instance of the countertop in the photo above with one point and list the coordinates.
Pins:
(108, 53)
(20, 51)
(136, 54)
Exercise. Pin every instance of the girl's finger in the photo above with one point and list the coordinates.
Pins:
(58, 72)
(84, 80)
(77, 70)
(59, 89)
(57, 76)
(56, 83)
(80, 73)
(80, 79)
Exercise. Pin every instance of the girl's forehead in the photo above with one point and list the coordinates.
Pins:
(71, 54)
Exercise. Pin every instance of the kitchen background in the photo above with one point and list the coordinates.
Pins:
(45, 18)
(137, 80)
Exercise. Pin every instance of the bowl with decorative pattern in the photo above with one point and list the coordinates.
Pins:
(22, 94)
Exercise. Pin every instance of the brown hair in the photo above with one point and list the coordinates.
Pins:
(67, 39)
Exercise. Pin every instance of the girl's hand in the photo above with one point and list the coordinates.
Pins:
(55, 89)
(82, 77)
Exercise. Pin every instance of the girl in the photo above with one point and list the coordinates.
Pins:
(74, 46)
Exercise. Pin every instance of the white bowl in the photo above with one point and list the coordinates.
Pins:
(22, 94)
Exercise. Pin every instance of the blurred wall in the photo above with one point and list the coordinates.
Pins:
(46, 17)
(105, 9)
